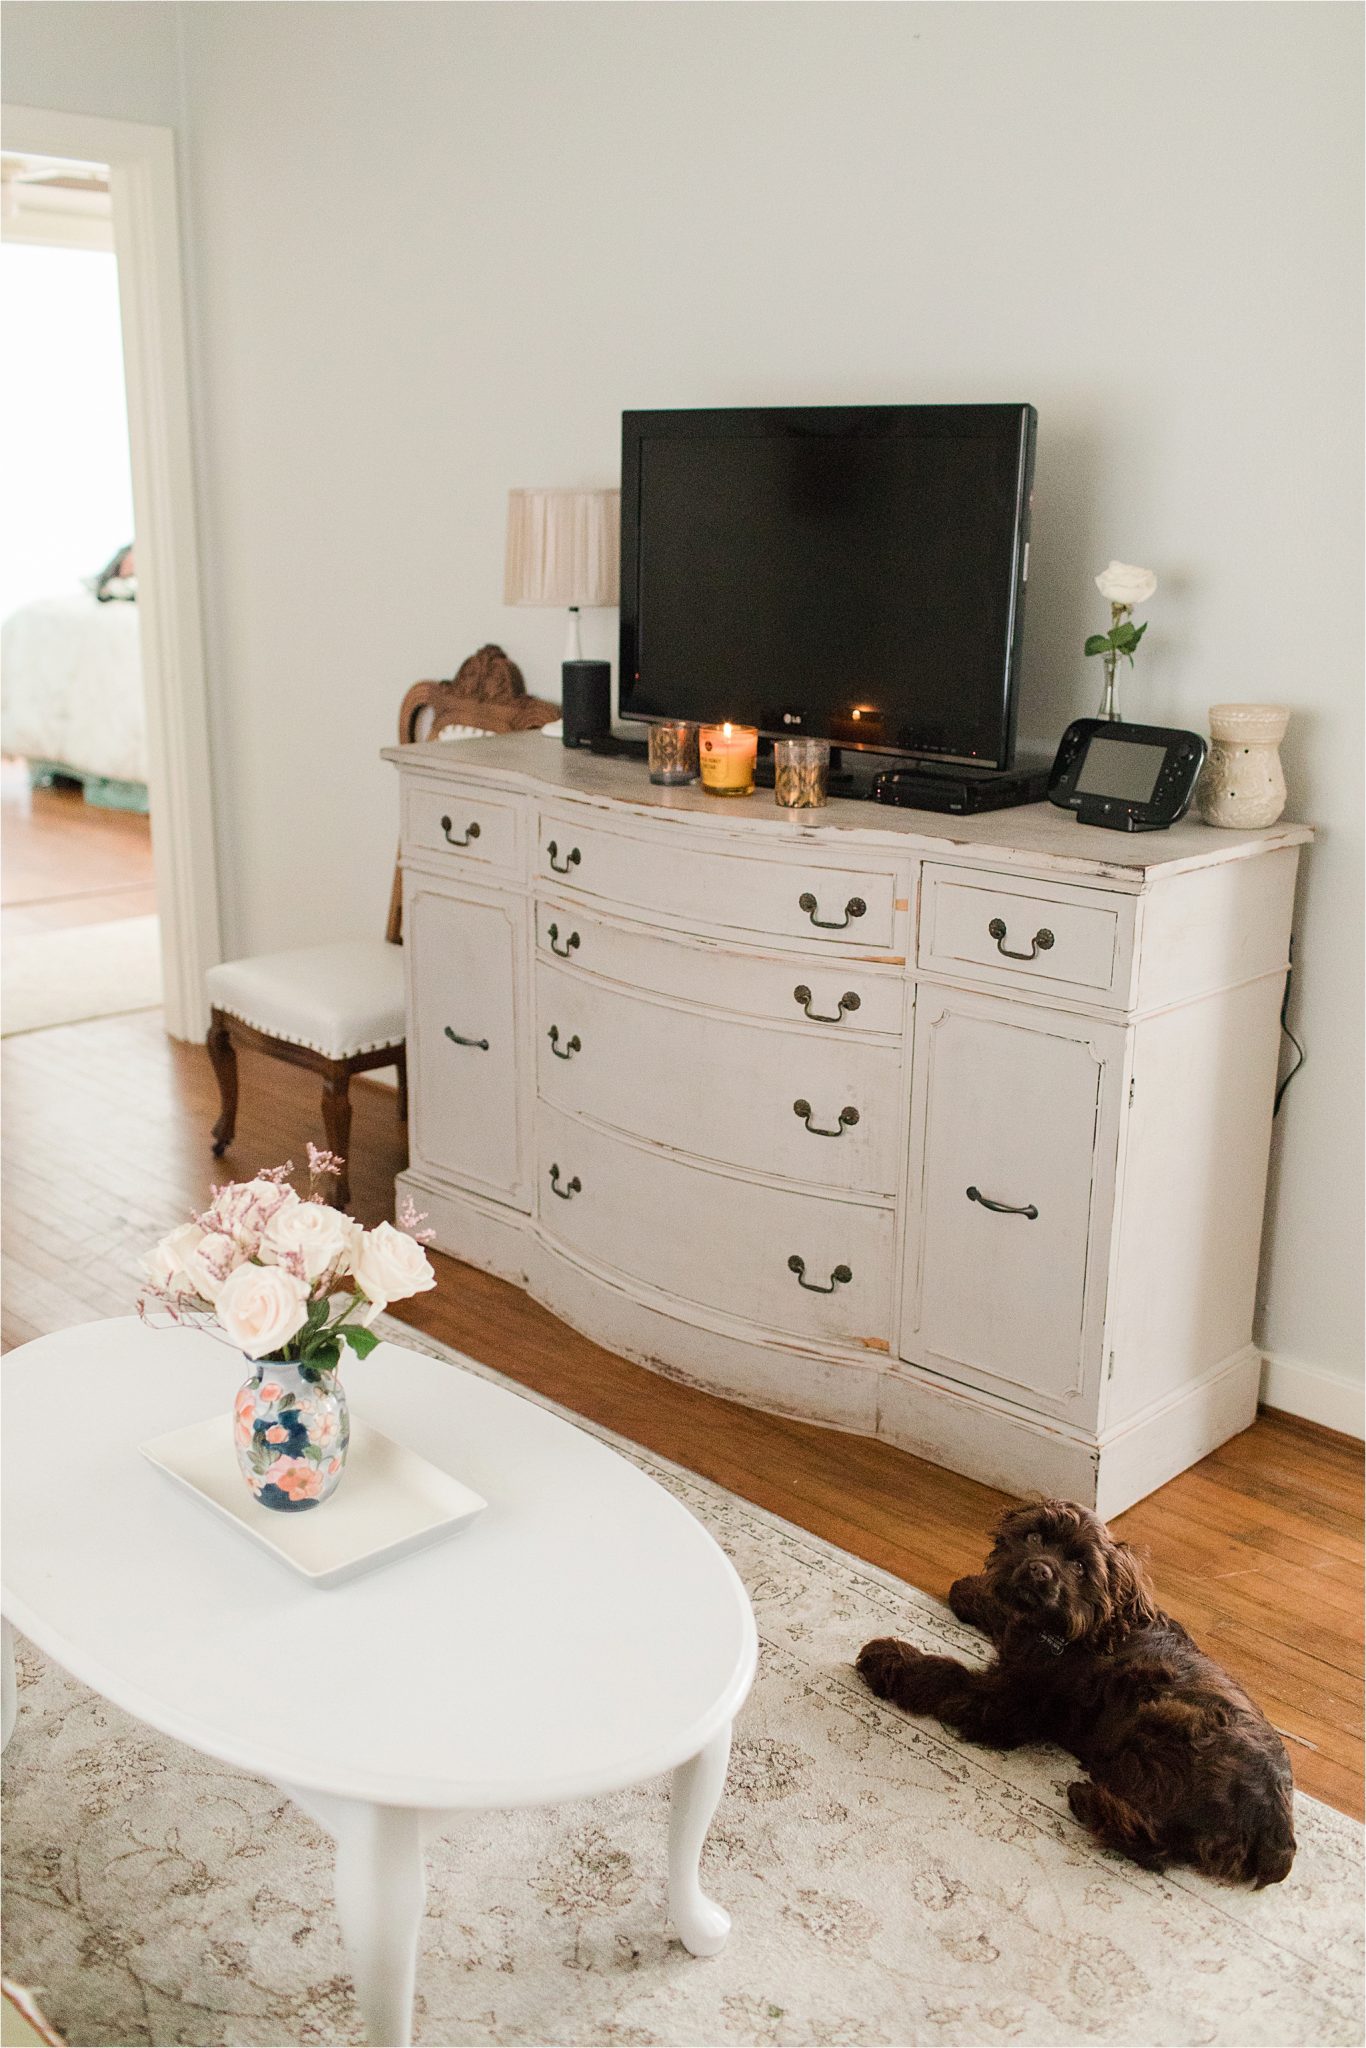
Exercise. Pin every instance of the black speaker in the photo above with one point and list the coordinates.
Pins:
(586, 692)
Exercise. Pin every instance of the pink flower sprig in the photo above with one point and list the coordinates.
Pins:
(411, 1219)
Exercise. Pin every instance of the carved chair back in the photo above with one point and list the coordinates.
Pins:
(487, 693)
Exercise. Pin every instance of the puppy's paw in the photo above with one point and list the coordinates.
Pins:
(882, 1663)
(967, 1600)
(1081, 1797)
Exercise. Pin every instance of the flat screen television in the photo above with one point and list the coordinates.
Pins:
(852, 573)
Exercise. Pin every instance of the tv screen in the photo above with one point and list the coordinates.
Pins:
(853, 574)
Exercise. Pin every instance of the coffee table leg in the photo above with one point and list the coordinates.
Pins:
(9, 1695)
(381, 1886)
(702, 1924)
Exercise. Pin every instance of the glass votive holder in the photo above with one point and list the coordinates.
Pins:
(673, 752)
(801, 772)
(726, 758)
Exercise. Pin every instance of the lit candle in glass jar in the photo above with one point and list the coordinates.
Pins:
(726, 756)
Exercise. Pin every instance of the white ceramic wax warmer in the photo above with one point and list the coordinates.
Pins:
(1243, 784)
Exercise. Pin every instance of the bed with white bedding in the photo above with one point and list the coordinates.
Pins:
(71, 699)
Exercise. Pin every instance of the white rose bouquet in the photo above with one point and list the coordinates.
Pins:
(1124, 586)
(286, 1277)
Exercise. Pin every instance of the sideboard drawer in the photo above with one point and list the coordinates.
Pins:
(462, 822)
(1074, 941)
(808, 1107)
(725, 1244)
(663, 872)
(845, 996)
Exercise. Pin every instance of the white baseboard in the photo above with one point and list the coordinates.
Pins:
(1328, 1398)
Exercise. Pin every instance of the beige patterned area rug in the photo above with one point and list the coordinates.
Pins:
(888, 1884)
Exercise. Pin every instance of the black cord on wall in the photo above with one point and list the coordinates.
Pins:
(1300, 1054)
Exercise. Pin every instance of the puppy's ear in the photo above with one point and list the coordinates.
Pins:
(1131, 1591)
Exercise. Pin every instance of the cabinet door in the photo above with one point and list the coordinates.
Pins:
(466, 999)
(1015, 1118)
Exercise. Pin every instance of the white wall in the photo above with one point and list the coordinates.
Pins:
(120, 58)
(438, 248)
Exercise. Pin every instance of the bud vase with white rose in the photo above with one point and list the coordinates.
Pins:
(292, 1283)
(1124, 586)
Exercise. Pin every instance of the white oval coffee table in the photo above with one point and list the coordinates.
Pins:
(584, 1634)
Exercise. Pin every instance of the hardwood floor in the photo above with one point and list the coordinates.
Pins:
(1258, 1549)
(67, 862)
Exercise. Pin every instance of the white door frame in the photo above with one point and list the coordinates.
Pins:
(146, 214)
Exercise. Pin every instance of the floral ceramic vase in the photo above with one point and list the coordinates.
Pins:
(291, 1428)
(1242, 784)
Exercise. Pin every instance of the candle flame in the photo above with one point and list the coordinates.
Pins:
(725, 731)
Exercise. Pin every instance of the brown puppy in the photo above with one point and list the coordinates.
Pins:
(1184, 1768)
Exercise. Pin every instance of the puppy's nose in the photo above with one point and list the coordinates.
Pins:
(1037, 1575)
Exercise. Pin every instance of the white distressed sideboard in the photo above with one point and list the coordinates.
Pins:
(949, 1131)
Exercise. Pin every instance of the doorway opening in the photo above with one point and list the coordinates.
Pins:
(146, 213)
(79, 935)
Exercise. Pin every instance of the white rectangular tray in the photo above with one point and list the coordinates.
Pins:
(390, 1502)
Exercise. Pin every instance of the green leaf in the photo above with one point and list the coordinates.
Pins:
(313, 1454)
(362, 1342)
(1125, 637)
(1139, 631)
(1099, 643)
(324, 1355)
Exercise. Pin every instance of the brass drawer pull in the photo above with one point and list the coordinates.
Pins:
(1029, 1212)
(571, 860)
(848, 1118)
(839, 1278)
(848, 1001)
(479, 1044)
(471, 832)
(571, 1047)
(570, 1188)
(1040, 943)
(564, 951)
(855, 907)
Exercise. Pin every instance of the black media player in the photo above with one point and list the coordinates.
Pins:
(920, 786)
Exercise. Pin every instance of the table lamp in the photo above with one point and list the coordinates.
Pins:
(563, 548)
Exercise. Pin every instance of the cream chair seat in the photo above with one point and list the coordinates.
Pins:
(338, 1009)
(341, 1000)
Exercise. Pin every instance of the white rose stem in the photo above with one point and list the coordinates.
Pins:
(1109, 703)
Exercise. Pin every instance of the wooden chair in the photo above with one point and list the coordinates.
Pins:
(338, 1009)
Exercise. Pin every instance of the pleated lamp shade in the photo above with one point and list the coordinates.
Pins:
(564, 548)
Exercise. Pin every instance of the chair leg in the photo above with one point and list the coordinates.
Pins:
(337, 1124)
(402, 1065)
(223, 1055)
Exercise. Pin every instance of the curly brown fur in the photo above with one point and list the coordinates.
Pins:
(1184, 1768)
